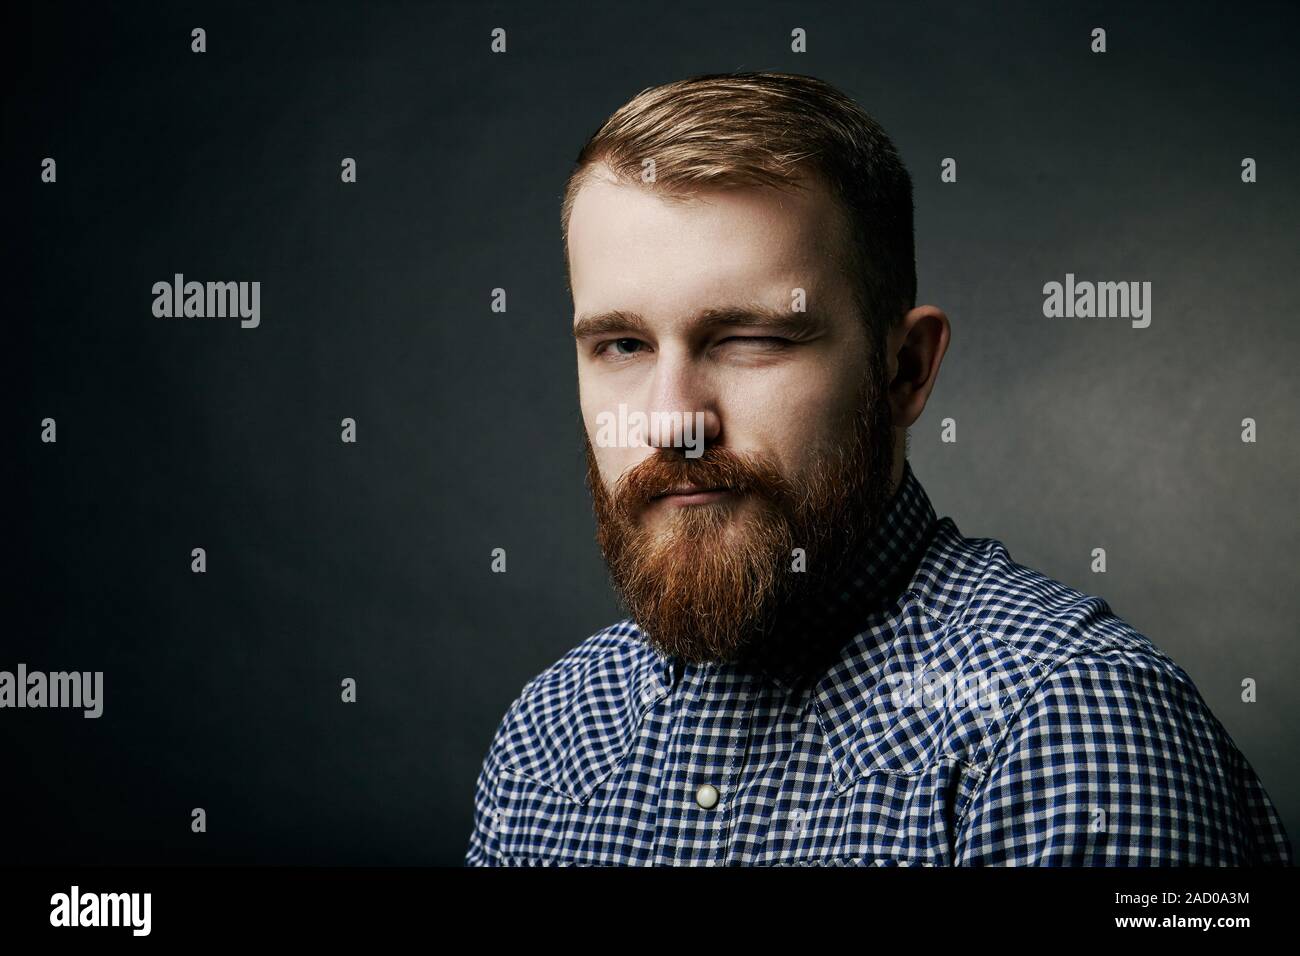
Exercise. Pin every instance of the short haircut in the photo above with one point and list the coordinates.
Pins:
(723, 130)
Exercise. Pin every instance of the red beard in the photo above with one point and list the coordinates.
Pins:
(709, 581)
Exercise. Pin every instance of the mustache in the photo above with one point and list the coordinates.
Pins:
(717, 467)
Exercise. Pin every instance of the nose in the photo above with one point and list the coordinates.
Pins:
(682, 406)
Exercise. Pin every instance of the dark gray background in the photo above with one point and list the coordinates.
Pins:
(372, 560)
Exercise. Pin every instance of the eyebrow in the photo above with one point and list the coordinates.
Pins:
(751, 316)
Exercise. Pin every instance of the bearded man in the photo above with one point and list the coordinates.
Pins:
(816, 670)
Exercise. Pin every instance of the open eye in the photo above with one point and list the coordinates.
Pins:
(616, 348)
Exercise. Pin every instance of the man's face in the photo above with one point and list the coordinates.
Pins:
(696, 307)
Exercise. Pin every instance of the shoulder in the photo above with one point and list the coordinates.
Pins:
(975, 638)
(567, 727)
(1115, 758)
(977, 590)
(1037, 649)
(1097, 727)
(1057, 650)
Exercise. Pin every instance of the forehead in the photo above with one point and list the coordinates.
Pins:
(631, 247)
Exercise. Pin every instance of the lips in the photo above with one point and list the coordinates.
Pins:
(688, 490)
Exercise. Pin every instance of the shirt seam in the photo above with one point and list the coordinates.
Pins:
(1012, 724)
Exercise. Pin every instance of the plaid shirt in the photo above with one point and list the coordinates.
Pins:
(978, 713)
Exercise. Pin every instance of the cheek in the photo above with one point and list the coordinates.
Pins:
(791, 417)
(612, 460)
(615, 462)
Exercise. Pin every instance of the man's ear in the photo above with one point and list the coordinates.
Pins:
(916, 348)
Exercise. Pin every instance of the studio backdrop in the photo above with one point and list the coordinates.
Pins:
(315, 547)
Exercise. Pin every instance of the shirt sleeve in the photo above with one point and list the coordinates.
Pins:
(1116, 760)
(483, 849)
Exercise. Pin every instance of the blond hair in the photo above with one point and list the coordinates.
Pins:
(726, 130)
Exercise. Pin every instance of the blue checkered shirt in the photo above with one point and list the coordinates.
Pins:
(978, 713)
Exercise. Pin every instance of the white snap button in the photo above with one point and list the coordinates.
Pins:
(707, 796)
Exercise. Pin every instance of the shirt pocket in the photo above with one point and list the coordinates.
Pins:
(537, 825)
